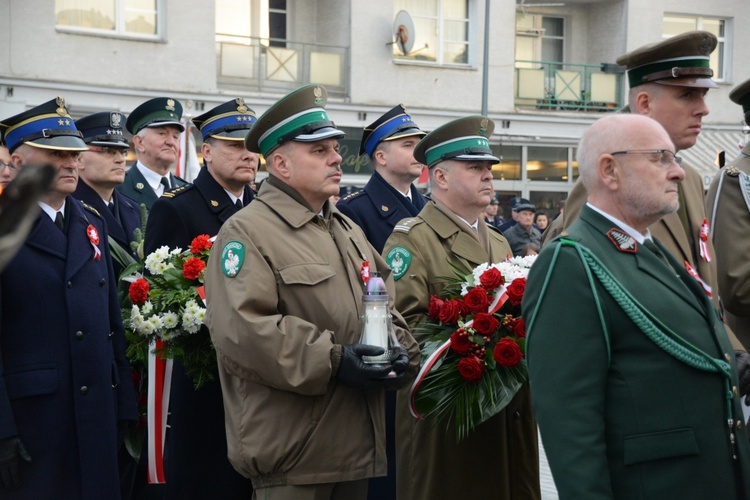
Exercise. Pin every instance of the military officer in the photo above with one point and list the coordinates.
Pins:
(220, 190)
(304, 412)
(156, 129)
(65, 383)
(102, 169)
(390, 194)
(668, 82)
(727, 204)
(501, 455)
(630, 367)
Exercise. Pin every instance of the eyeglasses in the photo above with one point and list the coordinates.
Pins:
(666, 157)
(8, 165)
(110, 151)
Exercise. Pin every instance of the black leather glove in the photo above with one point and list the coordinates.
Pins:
(356, 373)
(401, 363)
(742, 359)
(10, 450)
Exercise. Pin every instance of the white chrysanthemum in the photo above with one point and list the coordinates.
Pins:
(161, 253)
(145, 327)
(192, 317)
(176, 251)
(170, 320)
(147, 307)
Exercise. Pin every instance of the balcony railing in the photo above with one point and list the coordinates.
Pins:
(567, 87)
(281, 65)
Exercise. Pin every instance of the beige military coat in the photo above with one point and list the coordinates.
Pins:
(729, 211)
(500, 458)
(283, 286)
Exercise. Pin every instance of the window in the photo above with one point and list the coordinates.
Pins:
(441, 31)
(240, 21)
(129, 18)
(539, 38)
(674, 24)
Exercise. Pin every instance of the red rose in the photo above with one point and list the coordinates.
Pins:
(450, 311)
(519, 328)
(436, 304)
(507, 353)
(460, 342)
(471, 368)
(138, 291)
(192, 268)
(200, 243)
(476, 300)
(485, 324)
(491, 278)
(515, 291)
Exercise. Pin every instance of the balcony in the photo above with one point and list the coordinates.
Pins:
(280, 65)
(556, 86)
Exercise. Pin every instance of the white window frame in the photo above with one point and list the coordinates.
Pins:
(471, 38)
(119, 30)
(724, 42)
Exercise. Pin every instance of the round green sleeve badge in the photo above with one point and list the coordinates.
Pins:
(398, 259)
(232, 258)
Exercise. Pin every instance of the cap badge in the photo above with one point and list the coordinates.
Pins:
(622, 240)
(115, 120)
(241, 105)
(705, 47)
(214, 203)
(170, 104)
(483, 126)
(318, 93)
(61, 107)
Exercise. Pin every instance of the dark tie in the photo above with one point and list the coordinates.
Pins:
(59, 222)
(111, 206)
(651, 246)
(238, 204)
(165, 182)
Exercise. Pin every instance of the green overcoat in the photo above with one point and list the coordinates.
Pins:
(500, 459)
(620, 417)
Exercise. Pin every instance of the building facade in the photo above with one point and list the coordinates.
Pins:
(549, 68)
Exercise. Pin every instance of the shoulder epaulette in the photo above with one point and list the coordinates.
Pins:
(732, 171)
(91, 209)
(353, 195)
(177, 191)
(406, 225)
(493, 228)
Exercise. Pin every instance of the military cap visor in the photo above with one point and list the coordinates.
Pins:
(465, 139)
(299, 116)
(230, 121)
(47, 126)
(158, 112)
(741, 95)
(394, 124)
(103, 129)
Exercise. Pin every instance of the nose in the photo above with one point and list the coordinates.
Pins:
(702, 107)
(676, 173)
(336, 159)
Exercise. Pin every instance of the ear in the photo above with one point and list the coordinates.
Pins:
(643, 103)
(440, 175)
(379, 158)
(17, 160)
(279, 162)
(138, 143)
(206, 152)
(609, 171)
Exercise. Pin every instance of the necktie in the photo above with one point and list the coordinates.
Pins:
(59, 222)
(238, 204)
(111, 206)
(651, 246)
(165, 182)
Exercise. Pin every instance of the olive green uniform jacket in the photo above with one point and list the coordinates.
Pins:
(621, 418)
(730, 221)
(669, 231)
(294, 291)
(500, 459)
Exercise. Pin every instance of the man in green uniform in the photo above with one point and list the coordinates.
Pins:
(631, 372)
(500, 458)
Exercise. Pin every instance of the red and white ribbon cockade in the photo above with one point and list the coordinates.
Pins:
(159, 384)
(93, 235)
(364, 270)
(501, 297)
(692, 272)
(704, 241)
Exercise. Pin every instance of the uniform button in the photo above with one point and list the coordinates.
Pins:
(84, 390)
(111, 334)
(102, 282)
(79, 334)
(735, 391)
(70, 284)
(728, 357)
(739, 424)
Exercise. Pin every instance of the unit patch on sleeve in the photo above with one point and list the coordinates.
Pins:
(398, 259)
(232, 258)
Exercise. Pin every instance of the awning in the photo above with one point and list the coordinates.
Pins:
(704, 155)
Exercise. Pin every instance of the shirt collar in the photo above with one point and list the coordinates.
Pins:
(51, 212)
(637, 235)
(152, 178)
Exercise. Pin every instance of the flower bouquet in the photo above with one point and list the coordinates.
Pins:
(165, 308)
(473, 362)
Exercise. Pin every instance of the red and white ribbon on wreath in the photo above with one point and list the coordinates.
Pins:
(93, 235)
(692, 272)
(159, 384)
(501, 297)
(704, 241)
